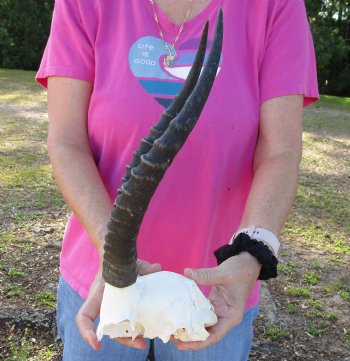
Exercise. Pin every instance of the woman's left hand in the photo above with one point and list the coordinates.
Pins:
(232, 283)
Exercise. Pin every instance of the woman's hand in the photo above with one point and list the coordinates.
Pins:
(232, 282)
(90, 309)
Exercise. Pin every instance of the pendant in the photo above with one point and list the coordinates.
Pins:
(169, 61)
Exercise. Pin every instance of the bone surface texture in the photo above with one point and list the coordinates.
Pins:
(161, 304)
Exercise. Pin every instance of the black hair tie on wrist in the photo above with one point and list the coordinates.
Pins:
(258, 249)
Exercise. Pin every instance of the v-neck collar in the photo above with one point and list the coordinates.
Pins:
(167, 24)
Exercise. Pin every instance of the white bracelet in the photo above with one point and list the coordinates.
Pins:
(263, 235)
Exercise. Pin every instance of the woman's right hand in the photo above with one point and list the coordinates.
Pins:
(90, 309)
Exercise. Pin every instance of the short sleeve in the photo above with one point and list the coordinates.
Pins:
(69, 51)
(289, 65)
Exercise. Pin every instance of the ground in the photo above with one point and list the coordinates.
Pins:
(306, 311)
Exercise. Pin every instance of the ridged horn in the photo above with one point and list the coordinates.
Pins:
(174, 108)
(120, 257)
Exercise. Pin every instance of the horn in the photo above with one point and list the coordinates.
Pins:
(120, 254)
(174, 108)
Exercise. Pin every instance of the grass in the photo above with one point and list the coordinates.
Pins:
(291, 308)
(345, 295)
(28, 348)
(30, 205)
(15, 274)
(333, 102)
(315, 303)
(318, 265)
(13, 290)
(318, 228)
(315, 331)
(287, 268)
(47, 299)
(313, 286)
(18, 87)
(275, 333)
(311, 278)
(329, 116)
(331, 316)
(292, 290)
(321, 217)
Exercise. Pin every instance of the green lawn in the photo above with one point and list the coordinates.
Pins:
(332, 102)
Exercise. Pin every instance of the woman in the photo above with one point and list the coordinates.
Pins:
(111, 67)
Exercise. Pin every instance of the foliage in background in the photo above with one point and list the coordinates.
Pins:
(330, 25)
(24, 28)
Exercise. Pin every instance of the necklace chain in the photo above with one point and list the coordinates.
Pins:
(169, 59)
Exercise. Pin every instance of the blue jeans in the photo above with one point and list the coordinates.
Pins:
(234, 347)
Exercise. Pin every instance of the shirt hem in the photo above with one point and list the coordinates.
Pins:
(310, 95)
(43, 74)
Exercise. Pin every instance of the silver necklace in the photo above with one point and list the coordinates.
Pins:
(170, 57)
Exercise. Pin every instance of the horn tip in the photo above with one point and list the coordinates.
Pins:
(220, 14)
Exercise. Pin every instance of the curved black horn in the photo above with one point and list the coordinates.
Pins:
(120, 257)
(174, 108)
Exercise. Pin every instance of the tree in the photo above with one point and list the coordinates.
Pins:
(24, 28)
(330, 25)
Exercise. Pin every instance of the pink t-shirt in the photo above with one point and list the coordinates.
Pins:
(115, 44)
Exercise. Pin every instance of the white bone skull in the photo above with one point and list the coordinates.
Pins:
(161, 304)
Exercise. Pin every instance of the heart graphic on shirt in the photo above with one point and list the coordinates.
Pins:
(146, 57)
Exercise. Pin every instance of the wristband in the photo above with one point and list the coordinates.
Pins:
(258, 249)
(263, 235)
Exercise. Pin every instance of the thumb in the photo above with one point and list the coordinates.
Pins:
(145, 268)
(204, 276)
